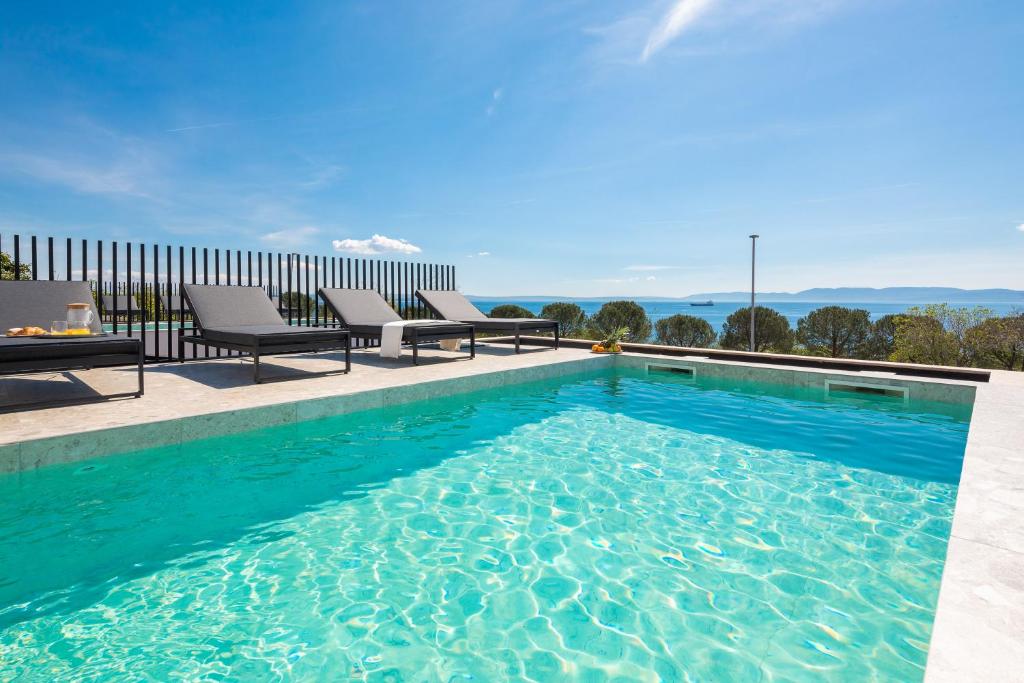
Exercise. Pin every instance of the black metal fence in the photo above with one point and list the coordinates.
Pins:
(137, 286)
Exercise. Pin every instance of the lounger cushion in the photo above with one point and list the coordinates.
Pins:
(271, 335)
(424, 330)
(224, 307)
(20, 349)
(450, 305)
(359, 306)
(40, 302)
(122, 302)
(524, 324)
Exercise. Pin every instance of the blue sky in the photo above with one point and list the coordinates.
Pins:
(574, 148)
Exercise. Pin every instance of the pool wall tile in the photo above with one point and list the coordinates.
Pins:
(810, 378)
(32, 454)
(10, 458)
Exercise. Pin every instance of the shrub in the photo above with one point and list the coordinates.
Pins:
(937, 334)
(616, 314)
(572, 321)
(997, 342)
(834, 331)
(685, 330)
(771, 330)
(509, 311)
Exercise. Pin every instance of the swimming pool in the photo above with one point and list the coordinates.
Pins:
(613, 524)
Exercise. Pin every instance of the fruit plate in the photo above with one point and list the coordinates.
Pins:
(606, 353)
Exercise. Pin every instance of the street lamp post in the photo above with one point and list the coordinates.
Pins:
(753, 253)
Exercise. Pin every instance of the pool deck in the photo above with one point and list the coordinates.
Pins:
(980, 618)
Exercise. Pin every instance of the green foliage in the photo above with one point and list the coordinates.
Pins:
(7, 268)
(615, 337)
(685, 330)
(882, 340)
(937, 334)
(997, 343)
(834, 331)
(771, 330)
(509, 311)
(572, 321)
(300, 304)
(616, 314)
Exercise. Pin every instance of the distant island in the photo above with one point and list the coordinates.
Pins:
(895, 295)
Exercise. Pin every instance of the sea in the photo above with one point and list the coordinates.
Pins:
(716, 314)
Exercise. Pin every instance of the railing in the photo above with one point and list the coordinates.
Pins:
(154, 275)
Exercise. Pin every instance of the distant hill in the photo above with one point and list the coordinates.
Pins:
(884, 295)
(894, 295)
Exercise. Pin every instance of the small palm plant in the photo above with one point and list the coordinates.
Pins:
(612, 340)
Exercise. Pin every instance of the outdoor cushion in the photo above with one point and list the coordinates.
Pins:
(450, 305)
(424, 329)
(359, 306)
(222, 306)
(123, 303)
(19, 349)
(524, 324)
(271, 335)
(40, 302)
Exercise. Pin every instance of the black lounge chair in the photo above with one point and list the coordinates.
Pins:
(39, 303)
(451, 305)
(122, 306)
(173, 304)
(365, 312)
(244, 319)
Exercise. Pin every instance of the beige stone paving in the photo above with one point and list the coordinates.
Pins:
(979, 627)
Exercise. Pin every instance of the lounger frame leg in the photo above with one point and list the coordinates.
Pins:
(142, 362)
(348, 355)
(556, 337)
(517, 338)
(472, 344)
(256, 367)
(415, 347)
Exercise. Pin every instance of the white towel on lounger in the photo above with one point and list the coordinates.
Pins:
(391, 338)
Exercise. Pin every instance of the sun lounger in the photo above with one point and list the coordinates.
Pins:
(38, 303)
(244, 319)
(122, 306)
(365, 313)
(451, 305)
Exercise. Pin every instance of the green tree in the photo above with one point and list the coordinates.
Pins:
(882, 341)
(7, 268)
(572, 320)
(616, 314)
(510, 311)
(771, 330)
(300, 304)
(685, 330)
(834, 331)
(997, 342)
(937, 334)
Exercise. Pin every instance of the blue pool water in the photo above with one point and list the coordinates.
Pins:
(610, 526)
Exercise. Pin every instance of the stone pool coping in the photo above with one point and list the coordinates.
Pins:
(980, 613)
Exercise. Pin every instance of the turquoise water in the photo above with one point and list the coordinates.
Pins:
(604, 527)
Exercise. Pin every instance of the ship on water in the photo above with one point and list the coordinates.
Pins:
(709, 302)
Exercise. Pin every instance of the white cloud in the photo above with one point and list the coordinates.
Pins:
(651, 278)
(479, 254)
(291, 237)
(1021, 227)
(495, 98)
(682, 15)
(645, 269)
(378, 244)
(120, 177)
